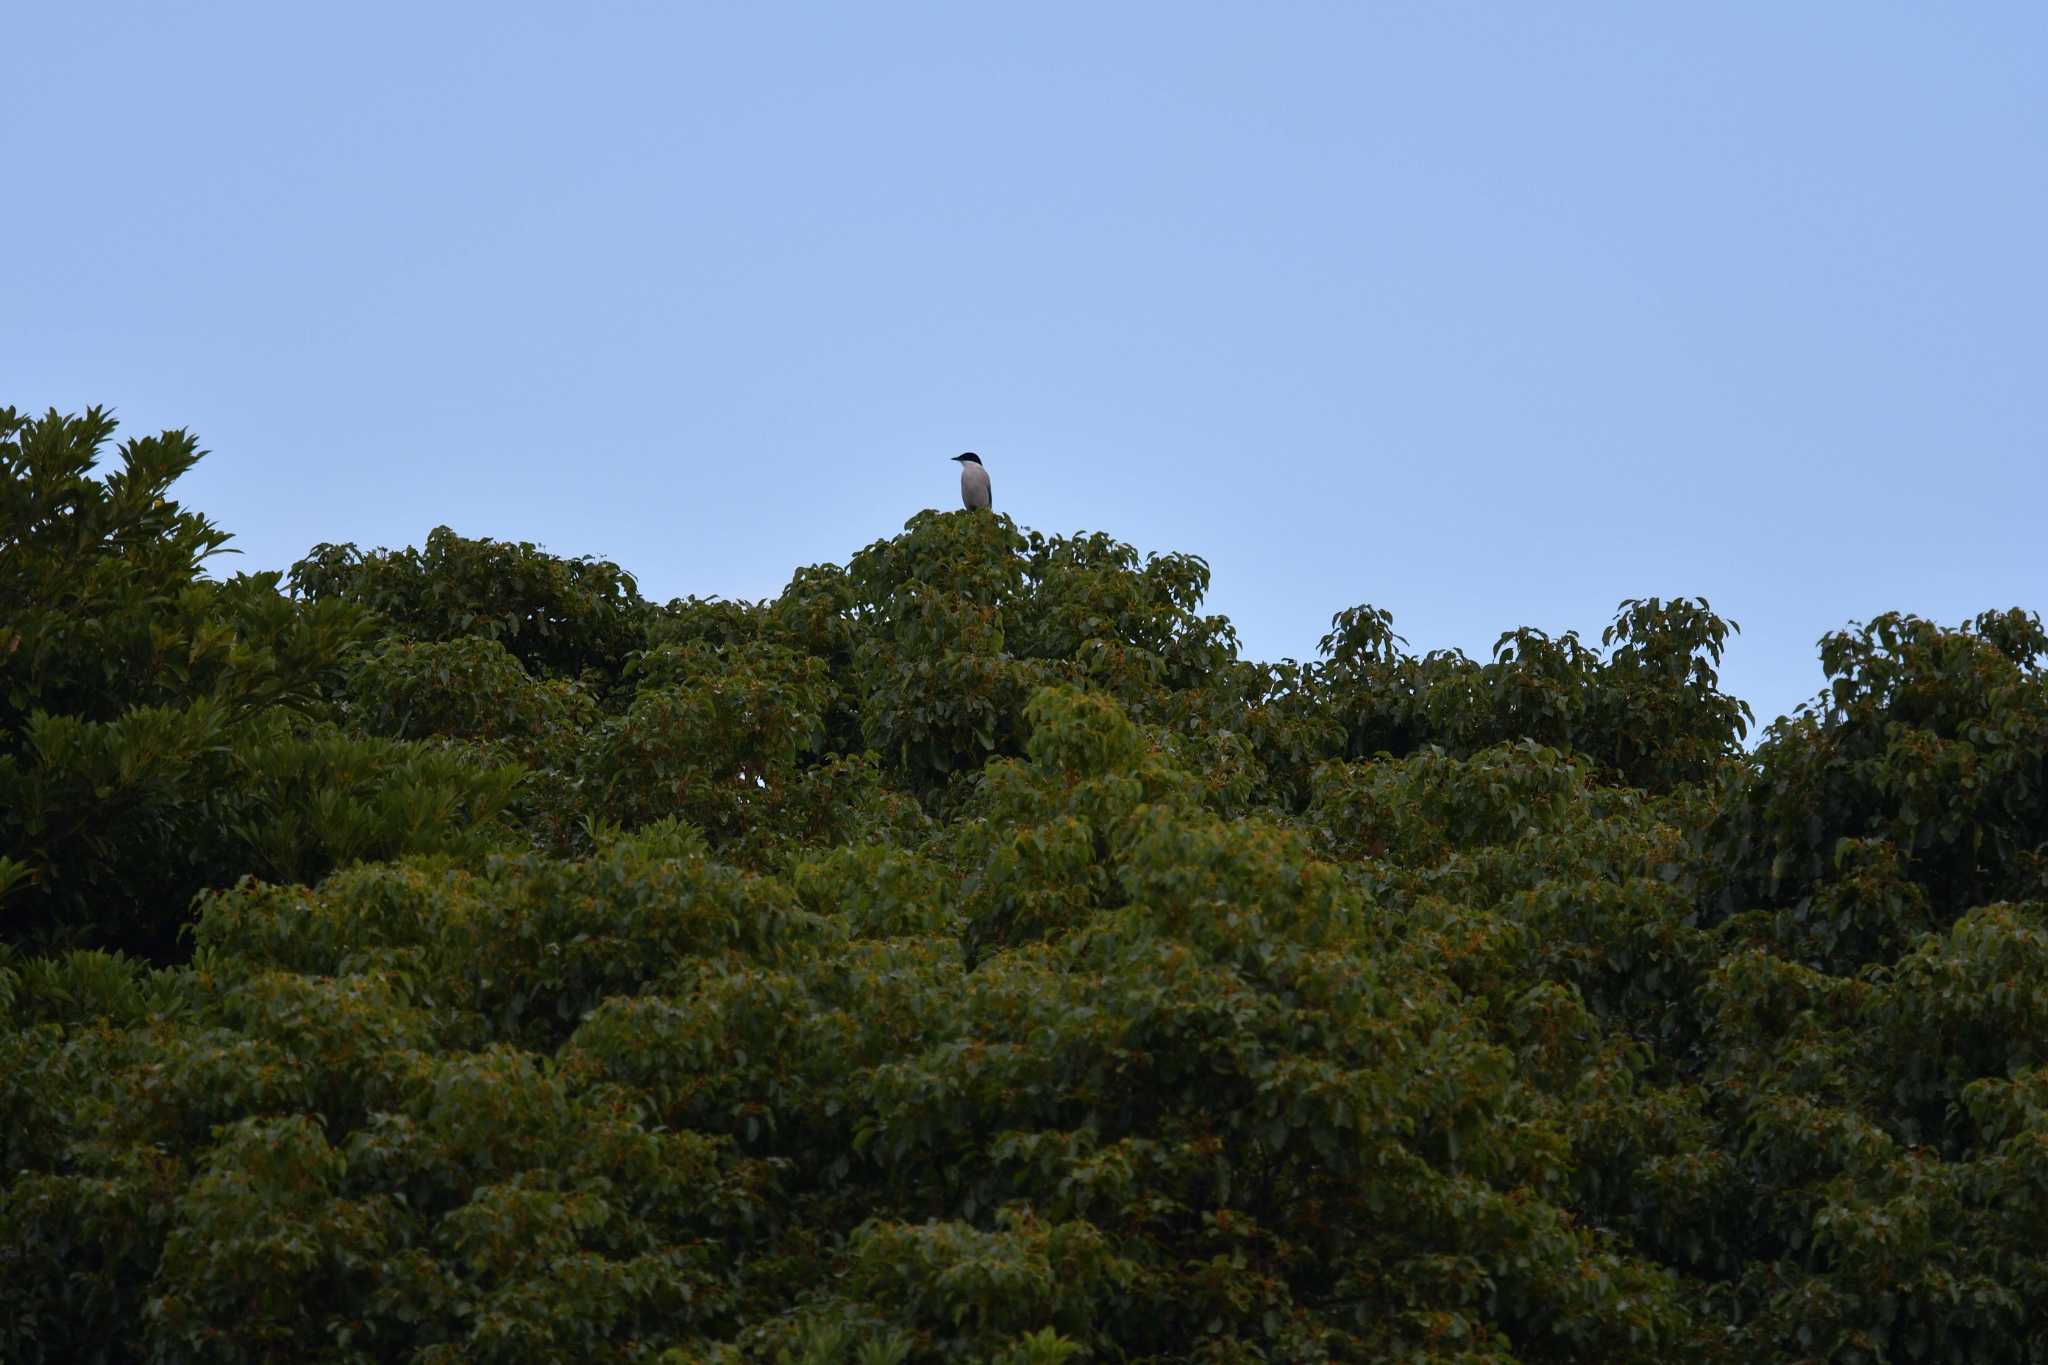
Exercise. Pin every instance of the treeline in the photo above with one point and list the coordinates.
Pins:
(448, 954)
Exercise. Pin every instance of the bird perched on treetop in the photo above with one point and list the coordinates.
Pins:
(973, 480)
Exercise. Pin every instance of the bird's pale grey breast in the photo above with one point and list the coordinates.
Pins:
(974, 489)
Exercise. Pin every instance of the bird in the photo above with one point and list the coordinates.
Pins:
(973, 481)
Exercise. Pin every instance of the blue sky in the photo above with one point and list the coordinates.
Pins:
(1488, 314)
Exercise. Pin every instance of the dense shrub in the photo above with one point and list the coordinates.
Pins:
(967, 956)
(159, 731)
(1931, 741)
(559, 617)
(1651, 713)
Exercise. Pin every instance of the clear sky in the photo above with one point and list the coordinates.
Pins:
(1488, 314)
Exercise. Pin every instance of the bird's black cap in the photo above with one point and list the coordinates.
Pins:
(970, 455)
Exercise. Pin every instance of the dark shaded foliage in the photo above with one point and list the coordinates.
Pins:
(144, 708)
(560, 617)
(967, 956)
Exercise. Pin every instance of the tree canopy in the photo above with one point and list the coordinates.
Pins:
(448, 954)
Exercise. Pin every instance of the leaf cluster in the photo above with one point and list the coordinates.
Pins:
(966, 955)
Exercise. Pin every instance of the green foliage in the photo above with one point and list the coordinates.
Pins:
(713, 736)
(309, 799)
(559, 617)
(1930, 741)
(966, 956)
(468, 689)
(1651, 714)
(140, 702)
